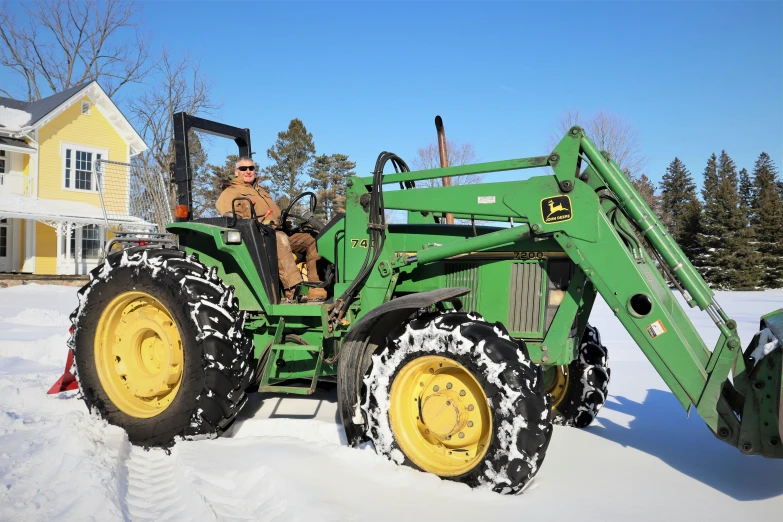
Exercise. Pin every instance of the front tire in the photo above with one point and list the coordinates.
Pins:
(455, 396)
(159, 348)
(580, 389)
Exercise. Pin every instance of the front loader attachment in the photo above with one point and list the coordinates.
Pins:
(625, 253)
(762, 416)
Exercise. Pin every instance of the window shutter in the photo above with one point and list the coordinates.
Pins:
(67, 168)
(98, 169)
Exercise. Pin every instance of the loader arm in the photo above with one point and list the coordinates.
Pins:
(594, 213)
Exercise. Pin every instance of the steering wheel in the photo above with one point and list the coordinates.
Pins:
(299, 220)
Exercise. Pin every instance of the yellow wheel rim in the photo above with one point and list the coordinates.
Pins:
(556, 381)
(440, 416)
(138, 354)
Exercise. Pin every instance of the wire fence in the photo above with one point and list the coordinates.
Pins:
(134, 198)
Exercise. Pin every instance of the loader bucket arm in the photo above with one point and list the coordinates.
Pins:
(593, 211)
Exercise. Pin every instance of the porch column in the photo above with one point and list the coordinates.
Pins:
(58, 230)
(77, 254)
(29, 246)
(67, 230)
(16, 244)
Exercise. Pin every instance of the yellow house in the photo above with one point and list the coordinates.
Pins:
(51, 218)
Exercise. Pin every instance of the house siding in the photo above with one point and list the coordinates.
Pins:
(91, 130)
(45, 249)
(94, 132)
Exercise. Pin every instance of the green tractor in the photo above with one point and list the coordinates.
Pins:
(454, 347)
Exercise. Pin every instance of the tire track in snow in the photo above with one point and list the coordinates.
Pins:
(151, 486)
(191, 484)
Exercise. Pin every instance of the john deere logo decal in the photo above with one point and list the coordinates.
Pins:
(556, 209)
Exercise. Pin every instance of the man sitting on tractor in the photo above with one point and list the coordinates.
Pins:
(245, 185)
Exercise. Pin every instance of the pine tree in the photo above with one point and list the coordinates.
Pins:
(291, 154)
(321, 181)
(327, 177)
(729, 260)
(746, 192)
(680, 208)
(342, 169)
(768, 221)
(646, 189)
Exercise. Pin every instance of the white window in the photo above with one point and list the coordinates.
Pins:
(85, 107)
(79, 167)
(80, 253)
(86, 242)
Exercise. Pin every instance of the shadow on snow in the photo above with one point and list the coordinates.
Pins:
(661, 429)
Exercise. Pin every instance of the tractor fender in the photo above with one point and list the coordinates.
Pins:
(360, 342)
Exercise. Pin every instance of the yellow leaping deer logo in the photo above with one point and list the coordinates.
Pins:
(555, 208)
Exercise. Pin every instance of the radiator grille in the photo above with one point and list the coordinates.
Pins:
(524, 306)
(464, 274)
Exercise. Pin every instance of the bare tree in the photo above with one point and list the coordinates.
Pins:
(64, 44)
(457, 154)
(428, 157)
(610, 132)
(174, 86)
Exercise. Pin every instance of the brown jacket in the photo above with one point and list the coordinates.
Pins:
(261, 199)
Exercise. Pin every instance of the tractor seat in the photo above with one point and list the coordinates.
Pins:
(262, 247)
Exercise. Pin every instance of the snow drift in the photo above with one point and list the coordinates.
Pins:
(286, 458)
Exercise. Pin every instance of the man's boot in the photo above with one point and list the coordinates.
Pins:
(293, 295)
(316, 294)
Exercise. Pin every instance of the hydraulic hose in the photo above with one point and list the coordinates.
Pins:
(377, 233)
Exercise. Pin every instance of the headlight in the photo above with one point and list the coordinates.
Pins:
(233, 237)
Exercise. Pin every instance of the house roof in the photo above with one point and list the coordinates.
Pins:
(14, 145)
(40, 108)
(18, 116)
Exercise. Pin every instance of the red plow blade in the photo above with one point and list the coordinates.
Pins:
(67, 381)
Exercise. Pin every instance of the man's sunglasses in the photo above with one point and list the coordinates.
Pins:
(251, 168)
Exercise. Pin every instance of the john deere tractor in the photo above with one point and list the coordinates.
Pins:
(454, 347)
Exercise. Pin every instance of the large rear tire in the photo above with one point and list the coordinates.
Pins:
(580, 389)
(159, 348)
(453, 395)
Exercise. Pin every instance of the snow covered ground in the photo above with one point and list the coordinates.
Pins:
(287, 460)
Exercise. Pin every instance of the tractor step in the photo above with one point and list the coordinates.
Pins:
(295, 390)
(274, 353)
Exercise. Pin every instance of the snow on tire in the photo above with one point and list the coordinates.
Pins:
(512, 387)
(588, 384)
(214, 367)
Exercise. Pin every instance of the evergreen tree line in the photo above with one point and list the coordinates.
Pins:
(295, 167)
(732, 233)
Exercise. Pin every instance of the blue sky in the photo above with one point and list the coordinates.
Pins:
(692, 77)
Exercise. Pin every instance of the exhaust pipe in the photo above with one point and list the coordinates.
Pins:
(444, 160)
